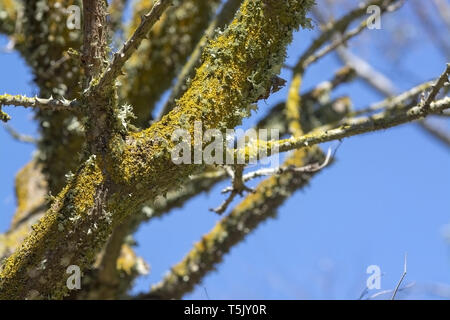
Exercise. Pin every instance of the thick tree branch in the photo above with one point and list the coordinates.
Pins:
(109, 187)
(225, 16)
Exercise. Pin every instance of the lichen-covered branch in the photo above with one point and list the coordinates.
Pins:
(237, 70)
(362, 125)
(151, 69)
(316, 107)
(223, 17)
(313, 54)
(444, 78)
(51, 103)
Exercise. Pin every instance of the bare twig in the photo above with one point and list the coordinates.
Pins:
(380, 293)
(394, 102)
(428, 24)
(95, 38)
(366, 72)
(19, 136)
(401, 279)
(340, 26)
(336, 43)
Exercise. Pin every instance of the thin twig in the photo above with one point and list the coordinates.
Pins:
(19, 136)
(380, 293)
(339, 26)
(336, 43)
(401, 279)
(238, 187)
(444, 11)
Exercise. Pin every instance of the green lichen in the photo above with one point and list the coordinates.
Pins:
(73, 210)
(151, 69)
(253, 45)
(104, 190)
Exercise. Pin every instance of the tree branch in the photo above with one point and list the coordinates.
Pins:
(149, 72)
(225, 16)
(114, 68)
(339, 26)
(443, 79)
(41, 103)
(362, 125)
(111, 186)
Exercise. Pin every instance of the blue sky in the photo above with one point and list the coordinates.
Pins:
(387, 194)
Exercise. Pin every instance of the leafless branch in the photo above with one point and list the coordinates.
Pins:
(114, 68)
(237, 188)
(401, 279)
(313, 167)
(443, 79)
(41, 103)
(19, 136)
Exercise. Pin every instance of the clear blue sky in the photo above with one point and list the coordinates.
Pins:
(387, 194)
